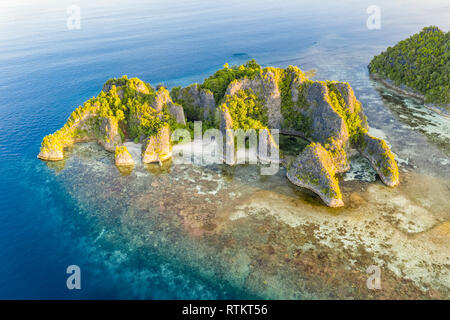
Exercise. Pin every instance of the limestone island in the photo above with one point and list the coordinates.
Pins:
(419, 67)
(325, 113)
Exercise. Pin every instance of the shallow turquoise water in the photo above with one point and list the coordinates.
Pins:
(47, 70)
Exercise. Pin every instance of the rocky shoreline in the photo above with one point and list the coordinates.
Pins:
(267, 237)
(247, 97)
(442, 111)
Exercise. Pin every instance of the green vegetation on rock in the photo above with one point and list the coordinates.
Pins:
(314, 169)
(121, 150)
(246, 110)
(351, 117)
(124, 108)
(292, 116)
(421, 62)
(325, 113)
(182, 96)
(219, 81)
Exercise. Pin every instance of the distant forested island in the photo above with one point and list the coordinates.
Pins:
(419, 64)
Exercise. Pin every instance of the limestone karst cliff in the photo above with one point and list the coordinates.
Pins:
(325, 113)
(122, 157)
(124, 109)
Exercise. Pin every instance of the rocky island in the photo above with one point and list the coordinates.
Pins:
(419, 67)
(325, 113)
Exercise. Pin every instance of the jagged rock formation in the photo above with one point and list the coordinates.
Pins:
(198, 103)
(51, 154)
(123, 157)
(163, 99)
(265, 86)
(121, 84)
(157, 147)
(381, 158)
(125, 108)
(314, 169)
(418, 66)
(226, 126)
(326, 113)
(177, 111)
(83, 125)
(242, 109)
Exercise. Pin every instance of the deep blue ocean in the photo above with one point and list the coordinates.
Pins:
(46, 70)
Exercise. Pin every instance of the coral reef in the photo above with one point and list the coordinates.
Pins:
(157, 147)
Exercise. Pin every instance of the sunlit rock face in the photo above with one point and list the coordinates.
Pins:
(226, 127)
(327, 125)
(265, 86)
(54, 154)
(86, 126)
(109, 136)
(123, 157)
(417, 67)
(326, 113)
(351, 103)
(313, 169)
(198, 103)
(157, 148)
(264, 236)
